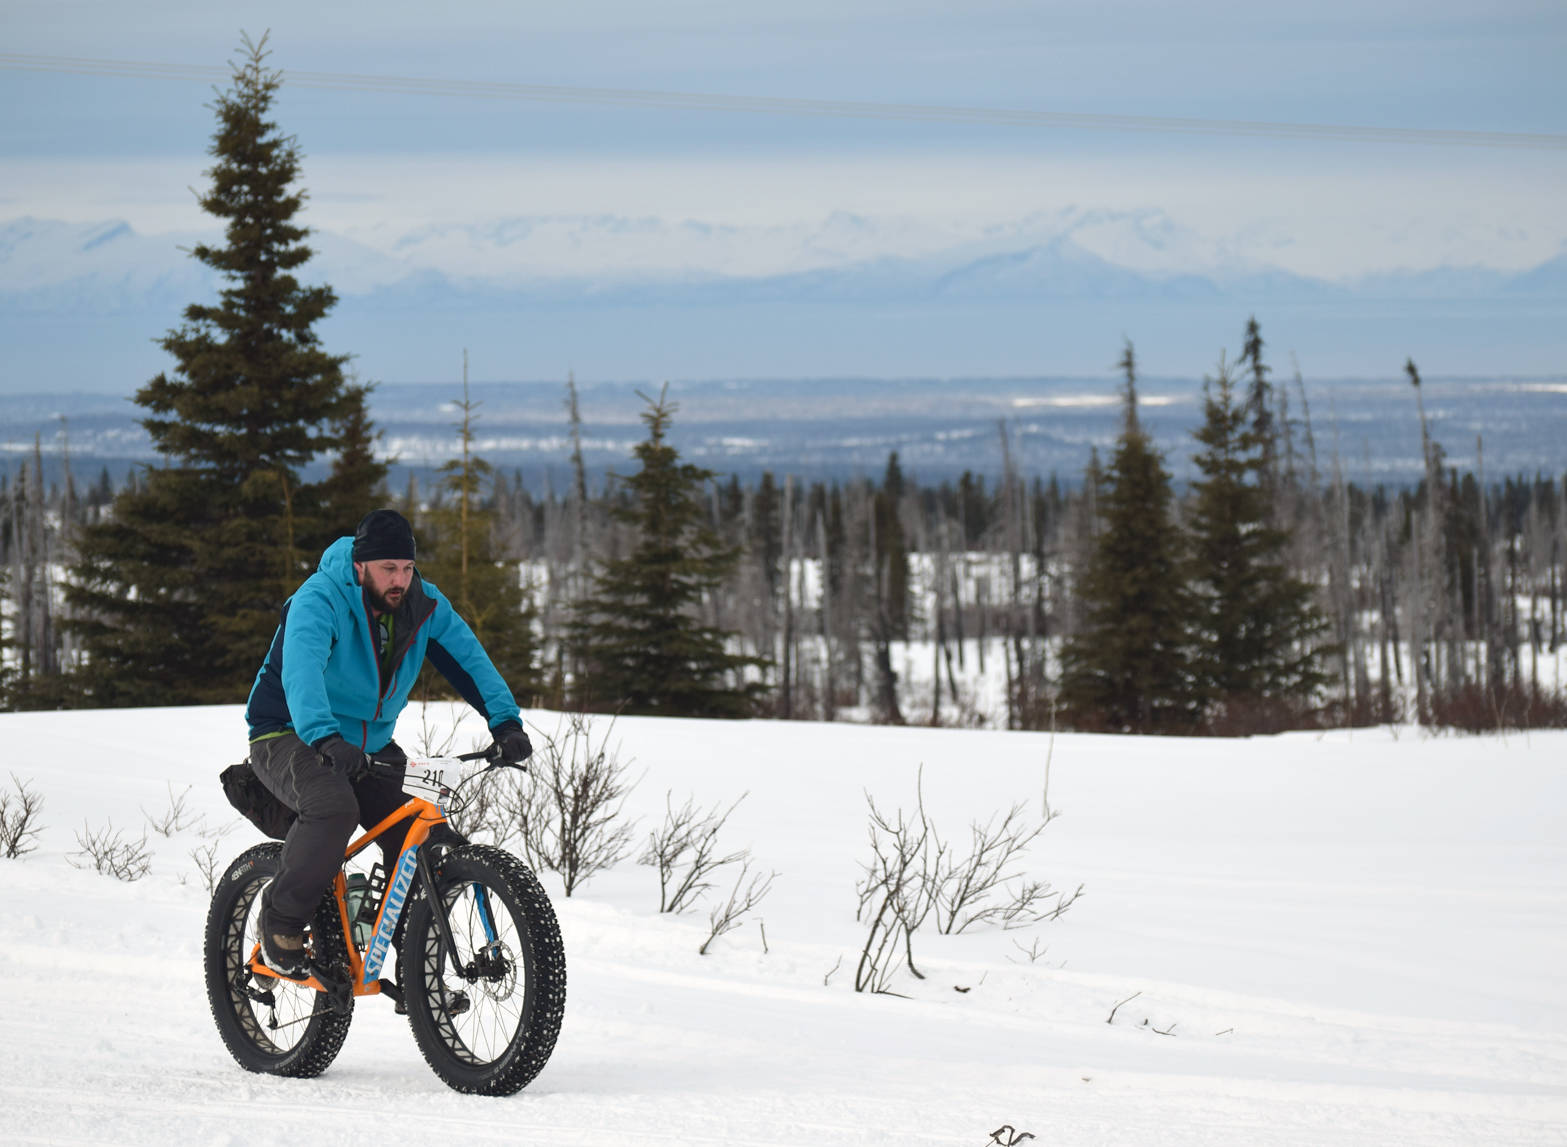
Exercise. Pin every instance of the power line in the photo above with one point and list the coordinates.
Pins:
(775, 105)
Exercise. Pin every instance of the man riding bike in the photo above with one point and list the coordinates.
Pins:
(326, 700)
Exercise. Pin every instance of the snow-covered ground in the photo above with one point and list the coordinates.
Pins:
(1349, 938)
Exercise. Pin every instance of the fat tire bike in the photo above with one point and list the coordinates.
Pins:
(481, 969)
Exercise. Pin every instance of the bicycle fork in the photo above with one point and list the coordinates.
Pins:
(480, 965)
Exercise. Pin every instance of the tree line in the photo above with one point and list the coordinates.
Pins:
(1268, 594)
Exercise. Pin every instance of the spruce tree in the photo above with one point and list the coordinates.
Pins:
(639, 638)
(891, 576)
(1263, 427)
(178, 590)
(1259, 659)
(1126, 668)
(357, 483)
(457, 554)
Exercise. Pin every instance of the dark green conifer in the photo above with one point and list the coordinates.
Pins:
(1259, 405)
(357, 483)
(640, 640)
(1126, 668)
(177, 592)
(1258, 661)
(892, 557)
(457, 554)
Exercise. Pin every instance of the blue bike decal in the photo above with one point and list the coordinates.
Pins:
(391, 909)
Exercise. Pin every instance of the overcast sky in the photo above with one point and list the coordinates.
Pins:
(740, 189)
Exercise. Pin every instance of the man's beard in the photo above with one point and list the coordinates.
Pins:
(380, 604)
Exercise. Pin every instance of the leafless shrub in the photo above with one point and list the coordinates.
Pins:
(566, 814)
(968, 890)
(479, 811)
(743, 899)
(177, 817)
(107, 851)
(523, 810)
(430, 741)
(1033, 952)
(684, 849)
(1479, 708)
(914, 873)
(894, 895)
(19, 827)
(208, 864)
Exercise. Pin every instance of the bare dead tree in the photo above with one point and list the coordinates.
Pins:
(684, 849)
(109, 852)
(748, 892)
(19, 827)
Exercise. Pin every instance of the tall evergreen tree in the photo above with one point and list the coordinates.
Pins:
(457, 554)
(178, 591)
(1259, 404)
(641, 643)
(1258, 660)
(888, 619)
(357, 483)
(1127, 667)
(891, 576)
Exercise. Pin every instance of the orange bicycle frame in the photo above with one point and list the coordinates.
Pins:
(364, 966)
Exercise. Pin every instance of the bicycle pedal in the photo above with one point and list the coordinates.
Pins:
(456, 1004)
(296, 976)
(339, 992)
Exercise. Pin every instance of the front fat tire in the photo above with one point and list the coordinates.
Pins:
(504, 1036)
(308, 1034)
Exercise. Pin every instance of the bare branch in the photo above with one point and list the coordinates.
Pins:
(108, 852)
(684, 850)
(1117, 1007)
(19, 827)
(176, 817)
(966, 885)
(207, 864)
(726, 917)
(565, 813)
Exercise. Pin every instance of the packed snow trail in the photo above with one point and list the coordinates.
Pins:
(1340, 939)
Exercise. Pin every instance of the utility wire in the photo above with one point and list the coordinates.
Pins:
(772, 105)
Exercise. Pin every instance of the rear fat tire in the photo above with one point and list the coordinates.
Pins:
(504, 1036)
(308, 1034)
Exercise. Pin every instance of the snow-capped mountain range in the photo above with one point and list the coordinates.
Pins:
(659, 297)
(48, 265)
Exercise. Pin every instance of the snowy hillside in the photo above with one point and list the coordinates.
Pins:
(1350, 938)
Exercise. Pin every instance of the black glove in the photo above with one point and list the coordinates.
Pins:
(391, 754)
(341, 757)
(389, 762)
(512, 742)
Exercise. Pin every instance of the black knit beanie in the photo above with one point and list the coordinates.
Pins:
(384, 534)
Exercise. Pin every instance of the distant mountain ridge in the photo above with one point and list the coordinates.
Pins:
(49, 265)
(82, 305)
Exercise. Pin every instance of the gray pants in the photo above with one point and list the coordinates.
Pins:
(329, 807)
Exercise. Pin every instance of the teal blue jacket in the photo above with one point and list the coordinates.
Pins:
(324, 675)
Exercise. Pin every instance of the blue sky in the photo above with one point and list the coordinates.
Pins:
(511, 193)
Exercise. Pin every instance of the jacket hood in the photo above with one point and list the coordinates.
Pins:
(337, 565)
